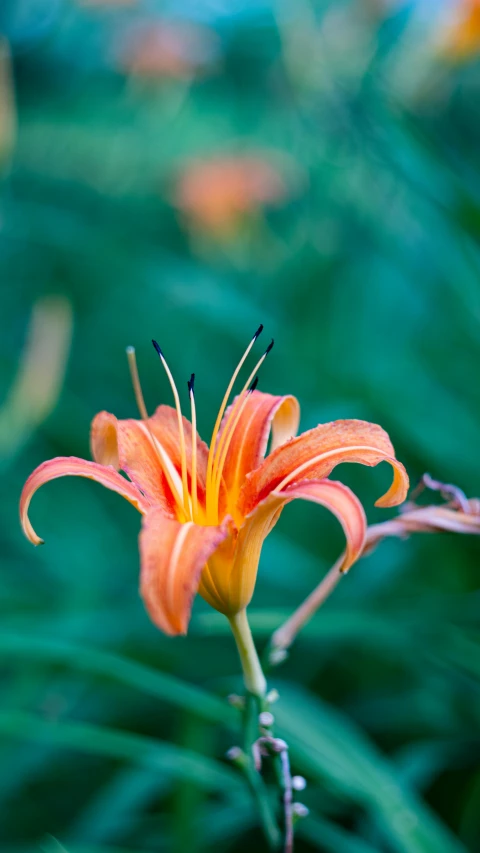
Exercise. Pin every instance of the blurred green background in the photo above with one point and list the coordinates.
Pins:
(356, 243)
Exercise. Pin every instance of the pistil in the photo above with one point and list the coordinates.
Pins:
(183, 454)
(191, 392)
(167, 467)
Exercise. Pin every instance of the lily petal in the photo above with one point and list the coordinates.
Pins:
(261, 413)
(164, 425)
(315, 453)
(172, 557)
(233, 568)
(343, 503)
(67, 466)
(127, 445)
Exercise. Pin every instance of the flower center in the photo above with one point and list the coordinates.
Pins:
(187, 499)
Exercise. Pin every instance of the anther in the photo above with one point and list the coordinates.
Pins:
(268, 348)
(253, 385)
(191, 384)
(258, 332)
(157, 348)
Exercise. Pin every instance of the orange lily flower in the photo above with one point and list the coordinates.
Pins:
(216, 195)
(169, 50)
(206, 512)
(460, 39)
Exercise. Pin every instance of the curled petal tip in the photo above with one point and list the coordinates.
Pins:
(64, 466)
(398, 491)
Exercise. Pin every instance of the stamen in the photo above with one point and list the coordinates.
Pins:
(230, 425)
(132, 363)
(183, 454)
(191, 392)
(167, 467)
(213, 440)
(226, 445)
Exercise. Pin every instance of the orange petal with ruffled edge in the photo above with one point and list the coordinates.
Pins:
(315, 453)
(233, 568)
(164, 425)
(147, 452)
(127, 445)
(71, 466)
(172, 557)
(261, 414)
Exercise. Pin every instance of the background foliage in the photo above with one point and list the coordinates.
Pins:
(367, 275)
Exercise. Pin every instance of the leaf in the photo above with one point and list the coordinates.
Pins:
(127, 672)
(327, 746)
(162, 757)
(116, 806)
(331, 838)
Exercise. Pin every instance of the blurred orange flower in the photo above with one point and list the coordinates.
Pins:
(216, 194)
(160, 49)
(206, 511)
(460, 40)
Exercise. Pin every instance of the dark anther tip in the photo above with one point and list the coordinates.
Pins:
(254, 384)
(157, 348)
(269, 347)
(191, 383)
(258, 332)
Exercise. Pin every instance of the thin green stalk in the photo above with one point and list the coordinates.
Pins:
(252, 670)
(284, 776)
(256, 686)
(260, 794)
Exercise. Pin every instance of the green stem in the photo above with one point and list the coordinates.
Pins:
(256, 686)
(267, 819)
(252, 670)
(254, 779)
